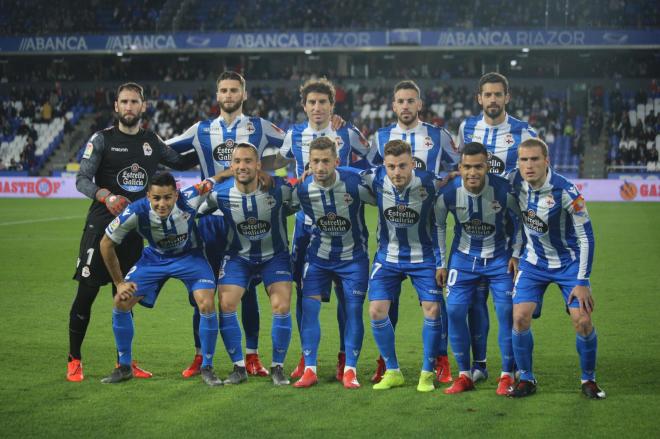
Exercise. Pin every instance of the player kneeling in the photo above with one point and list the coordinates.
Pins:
(166, 219)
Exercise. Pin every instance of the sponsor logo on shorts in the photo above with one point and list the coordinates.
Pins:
(401, 216)
(435, 292)
(476, 227)
(253, 229)
(495, 164)
(333, 224)
(533, 223)
(133, 178)
(284, 272)
(359, 293)
(206, 281)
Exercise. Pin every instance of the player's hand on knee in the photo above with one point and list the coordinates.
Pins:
(513, 267)
(115, 203)
(125, 290)
(583, 295)
(441, 277)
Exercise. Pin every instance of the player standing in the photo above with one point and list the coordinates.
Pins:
(213, 140)
(407, 247)
(333, 198)
(257, 245)
(559, 249)
(318, 99)
(433, 150)
(115, 169)
(484, 212)
(166, 219)
(501, 134)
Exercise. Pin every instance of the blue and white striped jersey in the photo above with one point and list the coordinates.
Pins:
(257, 221)
(501, 141)
(433, 148)
(298, 138)
(483, 223)
(213, 140)
(557, 225)
(339, 232)
(406, 220)
(171, 236)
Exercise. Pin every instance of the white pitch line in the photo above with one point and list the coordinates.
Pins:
(45, 220)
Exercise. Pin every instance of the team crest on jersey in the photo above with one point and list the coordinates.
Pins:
(495, 164)
(147, 149)
(185, 215)
(508, 139)
(419, 164)
(333, 224)
(249, 127)
(401, 216)
(348, 199)
(549, 201)
(428, 142)
(224, 151)
(270, 201)
(533, 223)
(88, 150)
(253, 228)
(496, 206)
(133, 178)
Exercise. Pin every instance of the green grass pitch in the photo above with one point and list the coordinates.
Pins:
(38, 248)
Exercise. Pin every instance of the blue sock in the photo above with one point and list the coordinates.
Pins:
(523, 345)
(444, 334)
(208, 334)
(341, 315)
(393, 313)
(250, 317)
(431, 337)
(231, 335)
(587, 347)
(122, 326)
(299, 298)
(310, 334)
(195, 323)
(354, 332)
(281, 336)
(479, 324)
(504, 313)
(459, 335)
(384, 337)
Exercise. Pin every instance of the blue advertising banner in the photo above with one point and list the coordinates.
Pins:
(378, 40)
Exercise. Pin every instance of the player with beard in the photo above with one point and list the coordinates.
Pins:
(501, 134)
(433, 150)
(115, 169)
(213, 140)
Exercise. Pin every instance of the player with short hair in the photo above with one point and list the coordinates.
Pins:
(501, 134)
(213, 140)
(433, 150)
(166, 219)
(333, 198)
(257, 245)
(559, 249)
(483, 247)
(317, 99)
(115, 169)
(407, 247)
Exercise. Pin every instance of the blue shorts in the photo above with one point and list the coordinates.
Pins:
(531, 282)
(238, 271)
(212, 231)
(386, 277)
(467, 274)
(300, 242)
(353, 275)
(151, 272)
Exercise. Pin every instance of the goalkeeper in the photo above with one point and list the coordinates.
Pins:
(115, 169)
